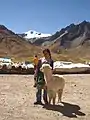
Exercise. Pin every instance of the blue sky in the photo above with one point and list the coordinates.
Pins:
(45, 16)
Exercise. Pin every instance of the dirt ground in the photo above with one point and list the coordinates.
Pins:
(17, 96)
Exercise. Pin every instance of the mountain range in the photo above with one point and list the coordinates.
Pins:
(70, 43)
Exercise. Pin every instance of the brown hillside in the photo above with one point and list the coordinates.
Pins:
(16, 47)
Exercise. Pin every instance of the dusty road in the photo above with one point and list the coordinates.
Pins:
(17, 96)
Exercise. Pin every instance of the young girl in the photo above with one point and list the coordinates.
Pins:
(40, 82)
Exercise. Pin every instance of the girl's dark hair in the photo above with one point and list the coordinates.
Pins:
(48, 51)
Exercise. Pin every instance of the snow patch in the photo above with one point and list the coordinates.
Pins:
(34, 34)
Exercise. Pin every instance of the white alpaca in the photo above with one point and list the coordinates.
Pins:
(54, 83)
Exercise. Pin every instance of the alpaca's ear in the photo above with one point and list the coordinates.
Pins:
(41, 69)
(50, 67)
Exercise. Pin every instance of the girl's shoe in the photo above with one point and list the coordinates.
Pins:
(38, 103)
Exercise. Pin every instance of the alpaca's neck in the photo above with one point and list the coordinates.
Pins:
(48, 75)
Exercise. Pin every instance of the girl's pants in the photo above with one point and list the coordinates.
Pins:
(39, 95)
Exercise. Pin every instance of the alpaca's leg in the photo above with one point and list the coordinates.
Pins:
(50, 99)
(60, 91)
(54, 98)
(49, 96)
(54, 101)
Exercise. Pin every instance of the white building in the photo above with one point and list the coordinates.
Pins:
(6, 60)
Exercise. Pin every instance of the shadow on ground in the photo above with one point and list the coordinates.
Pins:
(69, 110)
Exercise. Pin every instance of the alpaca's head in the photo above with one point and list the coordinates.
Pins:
(45, 67)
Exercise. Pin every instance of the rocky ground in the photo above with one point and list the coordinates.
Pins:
(17, 96)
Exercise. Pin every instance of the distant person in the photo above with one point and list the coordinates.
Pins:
(40, 81)
(35, 61)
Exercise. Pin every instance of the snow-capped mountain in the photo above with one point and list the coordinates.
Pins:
(33, 34)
